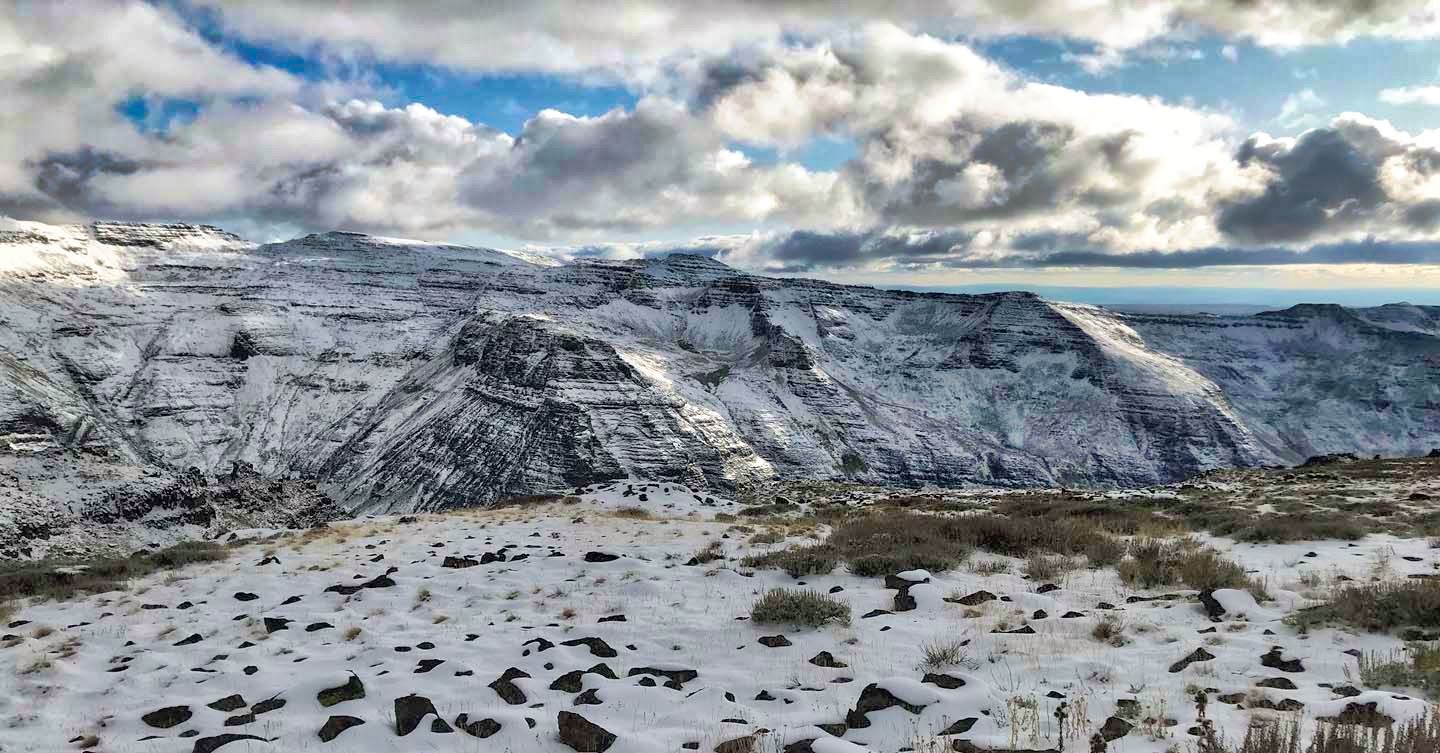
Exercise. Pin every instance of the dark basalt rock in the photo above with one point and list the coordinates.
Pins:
(1274, 659)
(596, 557)
(459, 562)
(1115, 728)
(337, 724)
(974, 599)
(1199, 654)
(352, 690)
(1212, 607)
(1279, 683)
(507, 689)
(268, 705)
(747, 744)
(582, 735)
(949, 682)
(875, 698)
(826, 659)
(588, 698)
(1362, 714)
(481, 728)
(228, 703)
(167, 717)
(960, 726)
(674, 678)
(774, 641)
(410, 710)
(573, 681)
(597, 647)
(1284, 704)
(211, 744)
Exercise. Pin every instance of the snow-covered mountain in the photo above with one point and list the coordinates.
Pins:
(402, 375)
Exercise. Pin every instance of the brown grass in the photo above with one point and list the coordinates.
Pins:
(1379, 607)
(62, 579)
(1419, 735)
(890, 542)
(1155, 562)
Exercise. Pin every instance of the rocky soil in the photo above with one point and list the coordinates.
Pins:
(591, 624)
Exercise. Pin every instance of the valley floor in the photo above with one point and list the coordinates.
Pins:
(589, 607)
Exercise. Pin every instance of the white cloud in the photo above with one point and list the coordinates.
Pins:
(631, 37)
(1412, 95)
(958, 160)
(1300, 109)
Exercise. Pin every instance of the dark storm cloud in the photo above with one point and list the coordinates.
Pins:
(803, 250)
(65, 177)
(1364, 252)
(1329, 181)
(1321, 182)
(1043, 165)
(559, 162)
(809, 251)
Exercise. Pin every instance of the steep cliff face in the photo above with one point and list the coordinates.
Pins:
(401, 375)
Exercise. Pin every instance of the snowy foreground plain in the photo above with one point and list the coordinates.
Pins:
(594, 611)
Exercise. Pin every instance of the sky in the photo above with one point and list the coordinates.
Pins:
(1162, 148)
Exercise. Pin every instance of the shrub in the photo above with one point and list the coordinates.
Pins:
(1418, 735)
(1109, 629)
(1280, 529)
(1103, 551)
(804, 608)
(1045, 567)
(1124, 518)
(1379, 607)
(1418, 666)
(887, 543)
(1165, 563)
(636, 513)
(767, 537)
(712, 551)
(945, 653)
(992, 567)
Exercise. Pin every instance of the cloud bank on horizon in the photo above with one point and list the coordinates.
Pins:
(780, 136)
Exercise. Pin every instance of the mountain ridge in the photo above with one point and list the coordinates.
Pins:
(405, 375)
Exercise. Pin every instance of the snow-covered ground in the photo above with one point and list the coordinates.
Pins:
(551, 602)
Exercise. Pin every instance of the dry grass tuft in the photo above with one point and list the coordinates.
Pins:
(804, 608)
(942, 653)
